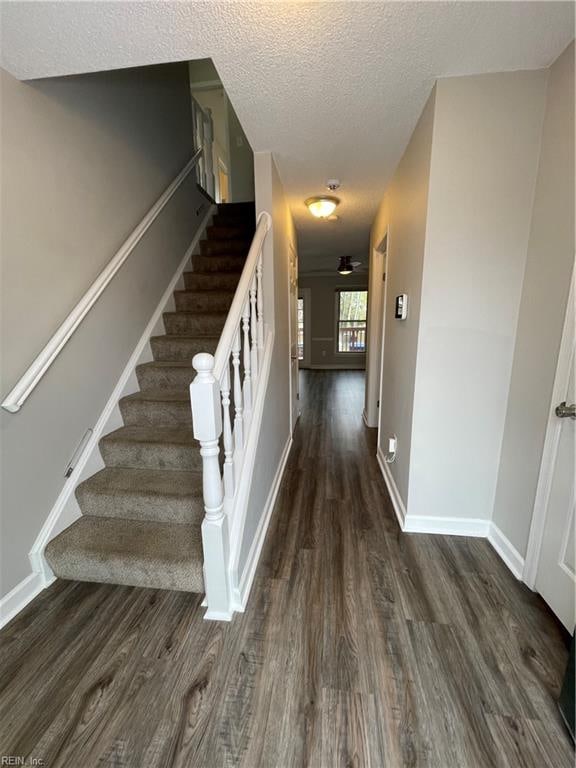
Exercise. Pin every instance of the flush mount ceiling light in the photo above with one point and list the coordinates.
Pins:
(345, 266)
(322, 207)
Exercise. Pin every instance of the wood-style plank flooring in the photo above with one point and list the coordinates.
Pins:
(361, 646)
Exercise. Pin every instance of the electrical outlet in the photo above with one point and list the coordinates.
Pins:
(392, 448)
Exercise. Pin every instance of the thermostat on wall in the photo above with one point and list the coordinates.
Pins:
(401, 307)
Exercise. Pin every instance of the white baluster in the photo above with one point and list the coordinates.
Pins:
(246, 357)
(228, 440)
(260, 304)
(254, 333)
(238, 408)
(207, 424)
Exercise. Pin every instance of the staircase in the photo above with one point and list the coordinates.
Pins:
(142, 514)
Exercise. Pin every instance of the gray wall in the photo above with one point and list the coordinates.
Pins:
(482, 178)
(404, 212)
(83, 158)
(322, 319)
(241, 159)
(544, 294)
(275, 427)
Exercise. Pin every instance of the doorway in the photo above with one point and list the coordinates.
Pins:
(376, 324)
(550, 566)
(223, 190)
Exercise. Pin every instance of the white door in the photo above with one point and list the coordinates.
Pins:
(552, 543)
(293, 319)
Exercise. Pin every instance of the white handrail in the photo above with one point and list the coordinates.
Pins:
(28, 381)
(224, 348)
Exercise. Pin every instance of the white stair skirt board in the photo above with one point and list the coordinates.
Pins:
(241, 592)
(19, 597)
(395, 497)
(506, 550)
(65, 510)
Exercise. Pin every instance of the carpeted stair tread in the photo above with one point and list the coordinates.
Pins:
(194, 323)
(181, 348)
(225, 246)
(212, 281)
(219, 262)
(157, 408)
(132, 552)
(234, 220)
(223, 232)
(171, 375)
(144, 447)
(143, 494)
(160, 395)
(203, 301)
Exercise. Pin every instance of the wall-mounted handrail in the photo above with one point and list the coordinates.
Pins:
(30, 379)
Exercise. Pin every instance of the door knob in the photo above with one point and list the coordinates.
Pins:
(564, 411)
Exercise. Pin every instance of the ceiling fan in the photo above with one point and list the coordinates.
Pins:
(346, 266)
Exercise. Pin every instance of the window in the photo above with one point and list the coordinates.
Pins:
(300, 329)
(352, 321)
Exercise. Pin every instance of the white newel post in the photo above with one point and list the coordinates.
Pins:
(207, 423)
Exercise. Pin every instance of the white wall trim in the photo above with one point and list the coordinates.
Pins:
(65, 510)
(241, 591)
(31, 377)
(551, 442)
(447, 526)
(396, 498)
(506, 550)
(19, 597)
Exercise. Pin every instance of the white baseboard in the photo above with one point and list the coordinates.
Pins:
(241, 591)
(19, 597)
(451, 526)
(506, 550)
(218, 615)
(395, 497)
(65, 510)
(447, 526)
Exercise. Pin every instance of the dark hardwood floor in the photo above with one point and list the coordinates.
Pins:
(361, 646)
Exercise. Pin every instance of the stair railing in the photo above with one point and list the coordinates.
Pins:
(224, 381)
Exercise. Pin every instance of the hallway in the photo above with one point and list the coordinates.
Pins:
(360, 646)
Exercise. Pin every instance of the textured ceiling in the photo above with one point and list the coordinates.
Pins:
(333, 89)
